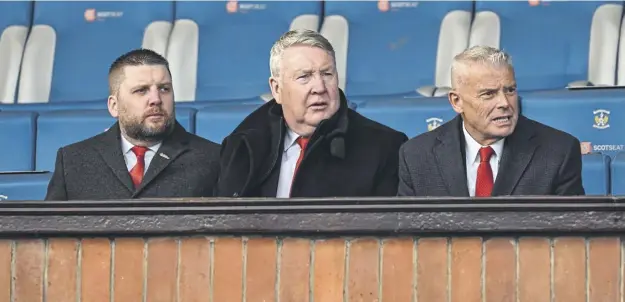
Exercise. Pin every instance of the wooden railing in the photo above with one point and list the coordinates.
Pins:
(314, 250)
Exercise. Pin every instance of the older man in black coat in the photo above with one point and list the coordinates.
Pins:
(306, 142)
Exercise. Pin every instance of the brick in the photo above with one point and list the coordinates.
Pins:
(466, 270)
(128, 270)
(500, 270)
(363, 270)
(534, 276)
(260, 277)
(195, 269)
(329, 270)
(604, 268)
(62, 270)
(6, 247)
(569, 280)
(432, 263)
(228, 269)
(294, 270)
(162, 273)
(398, 274)
(95, 270)
(29, 264)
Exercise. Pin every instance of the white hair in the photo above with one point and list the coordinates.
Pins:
(293, 38)
(479, 55)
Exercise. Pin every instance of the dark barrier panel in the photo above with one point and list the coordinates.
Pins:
(322, 250)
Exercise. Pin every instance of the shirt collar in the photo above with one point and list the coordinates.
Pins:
(289, 139)
(127, 146)
(473, 147)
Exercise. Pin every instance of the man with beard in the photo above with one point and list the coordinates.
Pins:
(147, 153)
(306, 142)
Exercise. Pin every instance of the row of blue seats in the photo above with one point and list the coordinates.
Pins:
(60, 51)
(595, 117)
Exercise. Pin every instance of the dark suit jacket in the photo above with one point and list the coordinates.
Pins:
(536, 160)
(94, 169)
(348, 155)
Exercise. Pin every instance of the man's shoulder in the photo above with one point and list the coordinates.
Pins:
(86, 145)
(373, 129)
(200, 143)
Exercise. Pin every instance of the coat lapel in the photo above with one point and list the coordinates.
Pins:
(109, 147)
(175, 145)
(517, 154)
(449, 159)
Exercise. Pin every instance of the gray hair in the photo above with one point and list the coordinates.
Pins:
(481, 55)
(293, 38)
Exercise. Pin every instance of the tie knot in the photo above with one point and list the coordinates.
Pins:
(139, 151)
(302, 142)
(486, 153)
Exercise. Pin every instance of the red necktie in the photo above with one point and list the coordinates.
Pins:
(136, 173)
(484, 183)
(302, 142)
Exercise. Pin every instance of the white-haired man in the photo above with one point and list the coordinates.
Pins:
(489, 149)
(306, 142)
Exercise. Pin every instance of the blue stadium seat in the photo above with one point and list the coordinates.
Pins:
(43, 107)
(618, 174)
(594, 116)
(24, 186)
(220, 50)
(17, 134)
(396, 47)
(596, 174)
(553, 44)
(56, 129)
(73, 43)
(411, 116)
(218, 121)
(15, 19)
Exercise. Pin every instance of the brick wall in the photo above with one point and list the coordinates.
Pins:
(299, 270)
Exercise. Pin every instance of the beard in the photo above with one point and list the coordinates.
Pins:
(137, 128)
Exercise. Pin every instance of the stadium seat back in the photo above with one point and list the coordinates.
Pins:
(595, 117)
(24, 186)
(72, 45)
(552, 43)
(596, 174)
(17, 134)
(15, 20)
(395, 47)
(411, 116)
(220, 50)
(218, 121)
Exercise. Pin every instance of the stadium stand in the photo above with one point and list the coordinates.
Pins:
(56, 129)
(72, 44)
(17, 134)
(220, 50)
(15, 19)
(553, 44)
(396, 47)
(593, 116)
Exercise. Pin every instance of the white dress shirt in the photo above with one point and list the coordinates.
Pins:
(472, 150)
(290, 155)
(131, 158)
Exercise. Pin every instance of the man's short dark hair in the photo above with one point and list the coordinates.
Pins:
(135, 57)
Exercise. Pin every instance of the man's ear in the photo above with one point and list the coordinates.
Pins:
(112, 105)
(274, 84)
(456, 101)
